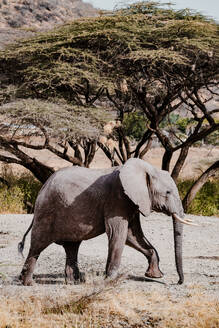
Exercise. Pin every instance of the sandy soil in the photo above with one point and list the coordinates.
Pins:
(201, 250)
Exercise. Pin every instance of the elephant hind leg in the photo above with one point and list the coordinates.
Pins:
(26, 275)
(72, 272)
(138, 241)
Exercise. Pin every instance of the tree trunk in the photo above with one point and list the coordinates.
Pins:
(198, 184)
(122, 153)
(126, 144)
(179, 163)
(89, 152)
(146, 148)
(148, 134)
(77, 151)
(39, 170)
(107, 153)
(166, 160)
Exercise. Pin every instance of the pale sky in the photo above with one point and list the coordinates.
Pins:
(206, 7)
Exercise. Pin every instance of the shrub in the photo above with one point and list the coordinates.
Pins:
(206, 201)
(212, 139)
(21, 193)
(134, 125)
(11, 200)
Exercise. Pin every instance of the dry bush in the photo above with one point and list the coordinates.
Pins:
(110, 307)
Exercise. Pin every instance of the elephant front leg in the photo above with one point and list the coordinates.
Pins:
(137, 240)
(116, 230)
(72, 272)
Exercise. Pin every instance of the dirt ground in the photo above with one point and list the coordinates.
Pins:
(201, 260)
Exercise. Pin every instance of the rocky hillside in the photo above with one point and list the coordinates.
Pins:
(21, 18)
(41, 13)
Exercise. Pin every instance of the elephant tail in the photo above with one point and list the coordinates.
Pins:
(21, 244)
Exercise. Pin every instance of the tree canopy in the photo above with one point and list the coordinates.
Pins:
(102, 52)
(145, 58)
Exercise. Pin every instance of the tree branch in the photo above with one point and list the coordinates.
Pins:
(147, 147)
(10, 160)
(107, 153)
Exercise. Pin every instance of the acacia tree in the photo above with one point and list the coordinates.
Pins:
(175, 72)
(143, 58)
(189, 97)
(60, 129)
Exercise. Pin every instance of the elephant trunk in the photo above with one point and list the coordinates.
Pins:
(178, 234)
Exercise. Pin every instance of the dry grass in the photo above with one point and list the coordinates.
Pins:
(110, 306)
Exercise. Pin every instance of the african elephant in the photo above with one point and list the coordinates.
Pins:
(78, 203)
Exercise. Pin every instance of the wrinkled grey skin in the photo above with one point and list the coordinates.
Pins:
(77, 204)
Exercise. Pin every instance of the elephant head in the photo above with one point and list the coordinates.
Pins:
(153, 189)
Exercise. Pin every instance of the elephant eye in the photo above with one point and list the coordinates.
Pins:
(168, 192)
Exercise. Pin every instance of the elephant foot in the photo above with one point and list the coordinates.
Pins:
(29, 282)
(72, 282)
(111, 275)
(75, 279)
(153, 273)
(80, 279)
(25, 280)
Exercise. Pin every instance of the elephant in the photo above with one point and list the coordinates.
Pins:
(78, 203)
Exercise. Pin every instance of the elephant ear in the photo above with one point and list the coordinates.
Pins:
(133, 176)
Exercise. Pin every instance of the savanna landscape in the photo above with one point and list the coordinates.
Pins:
(90, 88)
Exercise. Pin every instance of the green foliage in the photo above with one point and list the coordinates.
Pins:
(157, 10)
(134, 125)
(182, 123)
(213, 139)
(23, 189)
(206, 201)
(11, 200)
(29, 187)
(177, 121)
(104, 49)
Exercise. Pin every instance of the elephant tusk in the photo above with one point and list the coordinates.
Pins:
(188, 222)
